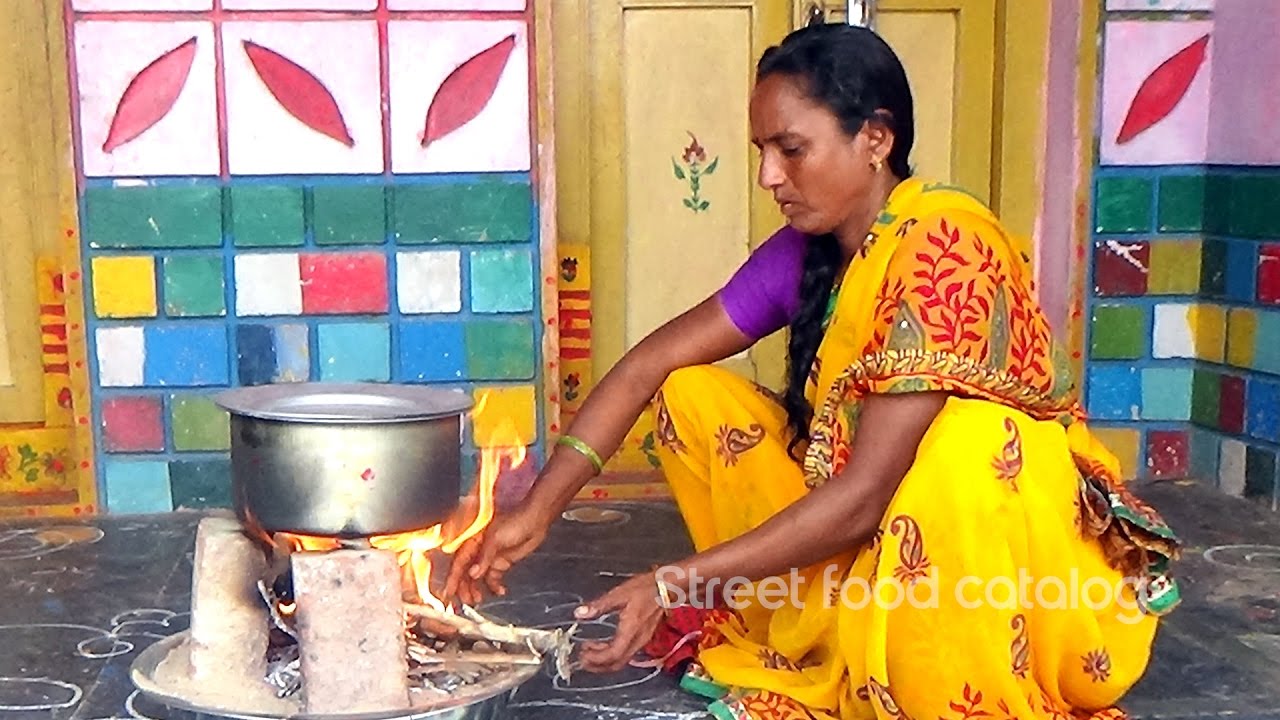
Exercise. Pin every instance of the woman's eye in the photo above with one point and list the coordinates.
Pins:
(790, 151)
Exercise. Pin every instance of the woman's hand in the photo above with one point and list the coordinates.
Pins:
(488, 556)
(639, 613)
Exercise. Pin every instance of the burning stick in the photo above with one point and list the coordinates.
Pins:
(472, 624)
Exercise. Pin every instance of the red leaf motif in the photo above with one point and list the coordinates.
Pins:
(466, 91)
(150, 95)
(1162, 90)
(299, 92)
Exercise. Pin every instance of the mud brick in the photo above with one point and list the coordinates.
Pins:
(229, 623)
(351, 631)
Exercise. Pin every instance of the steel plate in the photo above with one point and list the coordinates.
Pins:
(343, 402)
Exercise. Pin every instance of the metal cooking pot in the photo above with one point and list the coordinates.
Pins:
(345, 460)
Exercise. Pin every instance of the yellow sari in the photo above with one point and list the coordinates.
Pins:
(1009, 490)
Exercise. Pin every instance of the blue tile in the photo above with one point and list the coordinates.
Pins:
(1242, 270)
(1266, 353)
(501, 281)
(1114, 393)
(1205, 454)
(432, 351)
(293, 353)
(256, 352)
(186, 356)
(139, 486)
(1166, 394)
(1262, 410)
(355, 352)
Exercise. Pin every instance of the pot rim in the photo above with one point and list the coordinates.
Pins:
(328, 403)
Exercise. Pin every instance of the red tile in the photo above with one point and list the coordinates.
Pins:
(343, 283)
(1168, 453)
(132, 424)
(1120, 268)
(1231, 404)
(1269, 274)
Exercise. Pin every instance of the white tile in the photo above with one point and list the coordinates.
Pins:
(264, 138)
(110, 55)
(482, 5)
(1231, 467)
(422, 55)
(1172, 336)
(268, 284)
(121, 356)
(429, 282)
(300, 4)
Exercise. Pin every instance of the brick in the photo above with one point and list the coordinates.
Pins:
(1260, 475)
(1231, 404)
(186, 355)
(200, 484)
(1180, 205)
(1204, 456)
(432, 352)
(349, 214)
(1266, 355)
(1206, 398)
(1166, 394)
(1209, 322)
(1252, 213)
(136, 487)
(153, 216)
(266, 215)
(1168, 454)
(1119, 333)
(1121, 268)
(1173, 334)
(268, 284)
(1114, 392)
(1217, 203)
(500, 350)
(354, 352)
(1175, 267)
(1269, 274)
(429, 282)
(255, 354)
(1213, 269)
(132, 424)
(1123, 205)
(344, 283)
(351, 666)
(1242, 330)
(501, 281)
(1125, 444)
(1262, 410)
(124, 287)
(293, 353)
(229, 623)
(121, 355)
(199, 424)
(1231, 467)
(194, 287)
(507, 417)
(489, 211)
(1242, 270)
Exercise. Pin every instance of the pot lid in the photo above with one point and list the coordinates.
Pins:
(343, 402)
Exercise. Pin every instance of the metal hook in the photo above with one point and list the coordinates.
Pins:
(817, 15)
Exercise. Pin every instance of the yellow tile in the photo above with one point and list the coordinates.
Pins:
(1242, 329)
(1209, 323)
(505, 417)
(1124, 444)
(124, 287)
(1175, 267)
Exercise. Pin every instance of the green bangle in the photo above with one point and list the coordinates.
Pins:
(585, 449)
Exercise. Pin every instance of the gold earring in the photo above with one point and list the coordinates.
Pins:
(877, 164)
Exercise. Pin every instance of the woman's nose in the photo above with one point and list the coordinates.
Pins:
(770, 176)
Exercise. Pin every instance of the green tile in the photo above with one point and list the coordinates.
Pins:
(266, 215)
(153, 216)
(1180, 206)
(491, 211)
(200, 484)
(194, 287)
(1175, 267)
(1213, 268)
(499, 349)
(1206, 391)
(1217, 203)
(1253, 206)
(1119, 333)
(349, 214)
(1124, 205)
(1166, 394)
(501, 281)
(199, 424)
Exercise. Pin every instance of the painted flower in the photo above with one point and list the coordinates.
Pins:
(695, 152)
(569, 269)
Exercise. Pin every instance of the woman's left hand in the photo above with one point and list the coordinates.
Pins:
(639, 613)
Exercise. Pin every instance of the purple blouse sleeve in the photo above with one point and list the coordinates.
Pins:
(764, 294)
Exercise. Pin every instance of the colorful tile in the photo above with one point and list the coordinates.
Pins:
(344, 283)
(486, 211)
(266, 215)
(124, 287)
(1206, 398)
(1253, 206)
(1172, 334)
(482, 5)
(199, 424)
(1232, 404)
(136, 487)
(256, 354)
(1168, 454)
(153, 216)
(1260, 475)
(194, 286)
(1213, 269)
(132, 424)
(200, 484)
(1175, 267)
(300, 4)
(486, 130)
(1242, 270)
(119, 132)
(507, 418)
(338, 95)
(293, 353)
(1180, 203)
(1124, 205)
(1269, 274)
(1114, 392)
(121, 353)
(268, 284)
(1121, 268)
(1217, 202)
(1125, 444)
(1262, 410)
(501, 281)
(354, 352)
(1242, 332)
(429, 282)
(1266, 356)
(1210, 325)
(1137, 52)
(1119, 332)
(186, 355)
(432, 352)
(1204, 456)
(132, 5)
(349, 214)
(500, 350)
(1166, 394)
(1231, 467)
(1163, 5)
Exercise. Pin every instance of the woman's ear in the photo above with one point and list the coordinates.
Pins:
(879, 139)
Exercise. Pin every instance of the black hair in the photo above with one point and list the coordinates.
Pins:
(858, 77)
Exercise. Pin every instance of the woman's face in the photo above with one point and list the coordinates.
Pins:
(818, 174)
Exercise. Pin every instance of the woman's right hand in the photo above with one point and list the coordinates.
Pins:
(487, 557)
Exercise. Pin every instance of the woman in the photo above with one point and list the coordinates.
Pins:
(971, 474)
